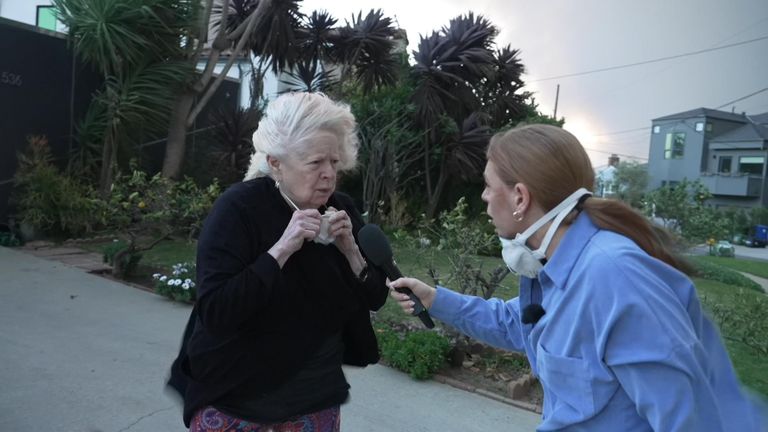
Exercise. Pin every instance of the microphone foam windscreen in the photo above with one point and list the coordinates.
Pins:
(374, 244)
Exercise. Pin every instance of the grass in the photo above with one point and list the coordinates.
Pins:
(756, 268)
(164, 255)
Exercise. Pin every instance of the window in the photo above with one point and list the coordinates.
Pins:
(656, 129)
(674, 146)
(699, 126)
(46, 17)
(724, 164)
(751, 165)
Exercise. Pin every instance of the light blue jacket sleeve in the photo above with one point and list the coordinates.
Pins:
(492, 321)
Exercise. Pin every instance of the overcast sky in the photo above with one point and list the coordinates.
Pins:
(559, 37)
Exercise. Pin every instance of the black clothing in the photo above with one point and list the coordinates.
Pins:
(256, 325)
(322, 374)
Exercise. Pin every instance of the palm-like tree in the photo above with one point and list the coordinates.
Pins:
(463, 87)
(136, 46)
(284, 40)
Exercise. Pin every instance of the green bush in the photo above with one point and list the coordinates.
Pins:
(9, 239)
(707, 270)
(49, 201)
(420, 353)
(741, 318)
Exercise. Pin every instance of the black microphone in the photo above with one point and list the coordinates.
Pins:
(532, 313)
(376, 247)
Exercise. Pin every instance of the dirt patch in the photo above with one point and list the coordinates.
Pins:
(501, 375)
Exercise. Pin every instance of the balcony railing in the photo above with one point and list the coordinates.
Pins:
(742, 185)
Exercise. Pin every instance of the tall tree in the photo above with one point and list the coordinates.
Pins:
(464, 87)
(631, 181)
(282, 39)
(135, 45)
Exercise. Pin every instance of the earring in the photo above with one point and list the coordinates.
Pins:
(277, 184)
(518, 217)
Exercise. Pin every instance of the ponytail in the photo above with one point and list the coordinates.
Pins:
(618, 217)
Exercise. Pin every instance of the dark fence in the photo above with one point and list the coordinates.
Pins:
(43, 91)
(46, 90)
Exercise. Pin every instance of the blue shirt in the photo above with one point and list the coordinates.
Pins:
(623, 346)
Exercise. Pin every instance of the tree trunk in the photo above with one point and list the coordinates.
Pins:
(108, 154)
(177, 135)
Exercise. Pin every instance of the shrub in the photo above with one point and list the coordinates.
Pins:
(179, 285)
(9, 239)
(418, 353)
(711, 271)
(741, 318)
(50, 201)
(461, 240)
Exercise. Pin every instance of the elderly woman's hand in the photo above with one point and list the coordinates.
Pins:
(340, 228)
(304, 225)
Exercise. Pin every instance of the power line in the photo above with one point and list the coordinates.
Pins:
(742, 98)
(617, 154)
(622, 131)
(688, 54)
(648, 127)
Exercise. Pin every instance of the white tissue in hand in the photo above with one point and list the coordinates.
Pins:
(323, 237)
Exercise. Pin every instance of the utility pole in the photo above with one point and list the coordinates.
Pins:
(557, 98)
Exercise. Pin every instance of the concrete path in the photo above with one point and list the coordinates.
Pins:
(763, 282)
(82, 353)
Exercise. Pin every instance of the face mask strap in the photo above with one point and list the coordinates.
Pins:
(569, 204)
(551, 214)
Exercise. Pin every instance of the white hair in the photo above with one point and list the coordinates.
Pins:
(290, 122)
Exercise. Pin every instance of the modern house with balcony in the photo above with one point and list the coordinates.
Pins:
(725, 151)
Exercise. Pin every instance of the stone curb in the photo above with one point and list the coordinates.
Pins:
(523, 382)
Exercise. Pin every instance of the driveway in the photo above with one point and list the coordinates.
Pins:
(82, 353)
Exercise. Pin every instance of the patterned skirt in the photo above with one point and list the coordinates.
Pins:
(210, 419)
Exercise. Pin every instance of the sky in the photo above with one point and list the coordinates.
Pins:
(611, 111)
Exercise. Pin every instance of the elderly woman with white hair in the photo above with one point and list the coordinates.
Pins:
(284, 292)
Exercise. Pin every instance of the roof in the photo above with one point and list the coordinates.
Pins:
(760, 118)
(705, 112)
(748, 132)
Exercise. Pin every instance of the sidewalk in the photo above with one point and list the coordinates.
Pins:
(82, 353)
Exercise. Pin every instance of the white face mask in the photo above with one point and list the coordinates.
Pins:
(519, 257)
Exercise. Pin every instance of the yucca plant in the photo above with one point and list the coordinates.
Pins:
(463, 87)
(137, 45)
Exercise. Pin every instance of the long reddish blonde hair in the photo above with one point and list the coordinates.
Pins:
(552, 164)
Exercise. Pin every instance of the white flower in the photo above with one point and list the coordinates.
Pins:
(187, 280)
(192, 284)
(185, 286)
(163, 278)
(171, 282)
(176, 272)
(156, 276)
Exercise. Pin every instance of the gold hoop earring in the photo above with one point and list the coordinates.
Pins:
(517, 216)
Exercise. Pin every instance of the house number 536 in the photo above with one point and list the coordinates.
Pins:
(9, 78)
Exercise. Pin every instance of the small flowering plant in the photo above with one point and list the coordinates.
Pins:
(179, 285)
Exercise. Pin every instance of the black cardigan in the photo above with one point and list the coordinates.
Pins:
(254, 324)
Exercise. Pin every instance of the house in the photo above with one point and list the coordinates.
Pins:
(725, 151)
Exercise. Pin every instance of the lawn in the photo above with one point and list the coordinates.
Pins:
(756, 268)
